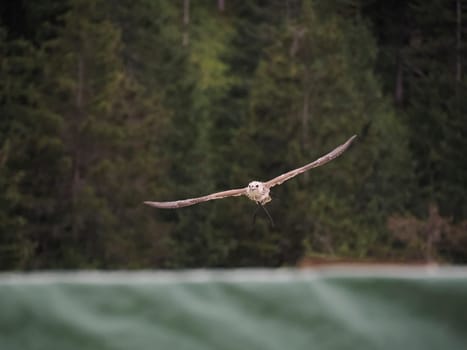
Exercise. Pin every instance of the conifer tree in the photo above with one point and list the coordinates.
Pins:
(313, 89)
(31, 155)
(111, 127)
(436, 110)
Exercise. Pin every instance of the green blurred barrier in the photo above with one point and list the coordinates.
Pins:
(327, 308)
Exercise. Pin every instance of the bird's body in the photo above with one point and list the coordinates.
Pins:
(257, 191)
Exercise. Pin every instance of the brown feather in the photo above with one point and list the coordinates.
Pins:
(192, 201)
(320, 161)
(243, 191)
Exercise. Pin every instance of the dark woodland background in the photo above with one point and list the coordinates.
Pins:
(105, 104)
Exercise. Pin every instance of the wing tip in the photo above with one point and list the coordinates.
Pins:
(151, 204)
(349, 141)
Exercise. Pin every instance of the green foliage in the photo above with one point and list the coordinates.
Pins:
(314, 87)
(31, 155)
(111, 132)
(436, 108)
(79, 145)
(107, 104)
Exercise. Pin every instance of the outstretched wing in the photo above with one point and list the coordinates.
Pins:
(320, 161)
(192, 201)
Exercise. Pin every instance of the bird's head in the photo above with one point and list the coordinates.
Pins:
(255, 186)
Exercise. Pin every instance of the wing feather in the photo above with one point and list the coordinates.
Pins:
(320, 161)
(192, 201)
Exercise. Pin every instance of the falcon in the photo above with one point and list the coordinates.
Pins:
(257, 191)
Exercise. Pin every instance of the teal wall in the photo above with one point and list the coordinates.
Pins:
(328, 308)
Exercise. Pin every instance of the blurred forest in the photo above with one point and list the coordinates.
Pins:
(105, 104)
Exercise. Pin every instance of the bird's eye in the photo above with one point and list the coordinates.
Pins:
(257, 186)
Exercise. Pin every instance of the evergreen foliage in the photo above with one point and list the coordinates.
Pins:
(106, 104)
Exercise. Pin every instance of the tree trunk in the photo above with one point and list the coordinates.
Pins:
(186, 21)
(305, 122)
(399, 88)
(75, 137)
(459, 41)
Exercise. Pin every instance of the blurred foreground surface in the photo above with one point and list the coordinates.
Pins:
(325, 308)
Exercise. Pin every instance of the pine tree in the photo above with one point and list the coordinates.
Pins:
(313, 89)
(435, 108)
(31, 155)
(111, 129)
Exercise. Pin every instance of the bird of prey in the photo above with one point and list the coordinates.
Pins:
(257, 191)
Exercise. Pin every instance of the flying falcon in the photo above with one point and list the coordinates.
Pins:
(257, 191)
